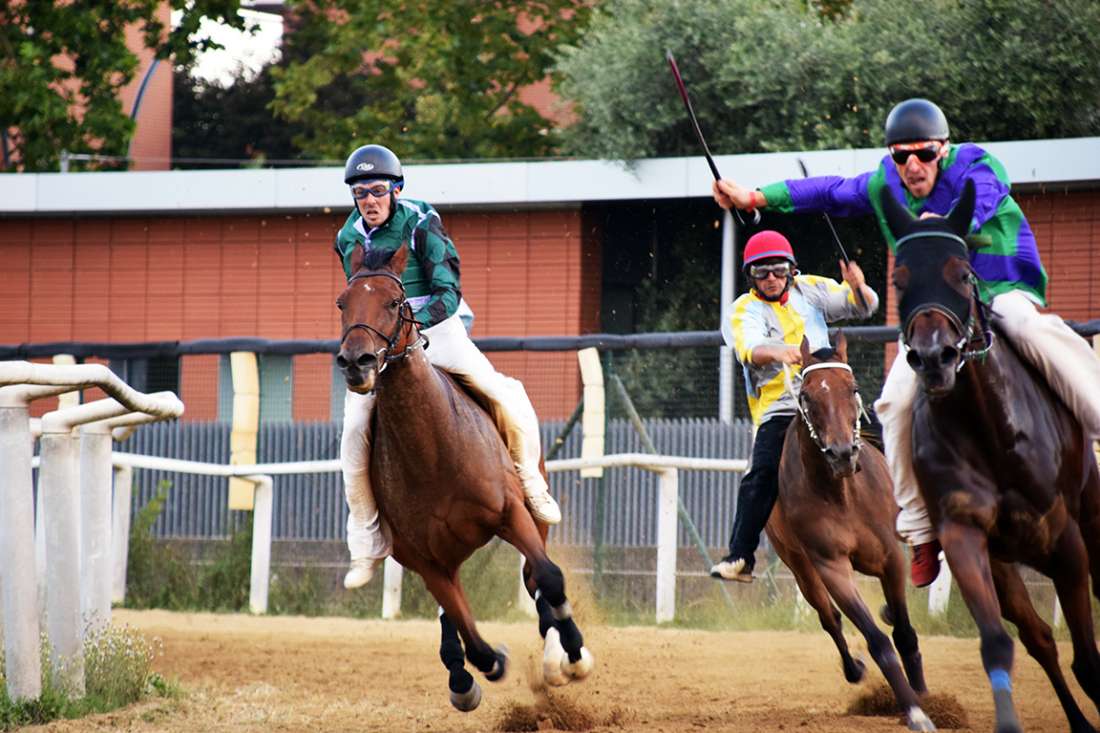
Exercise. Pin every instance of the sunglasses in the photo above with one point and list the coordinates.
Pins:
(925, 152)
(761, 272)
(377, 189)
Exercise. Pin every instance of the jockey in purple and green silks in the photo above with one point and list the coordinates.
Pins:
(1009, 259)
(928, 173)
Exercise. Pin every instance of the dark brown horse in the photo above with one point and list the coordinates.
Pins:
(444, 480)
(1004, 468)
(835, 514)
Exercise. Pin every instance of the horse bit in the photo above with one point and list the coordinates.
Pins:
(857, 441)
(404, 315)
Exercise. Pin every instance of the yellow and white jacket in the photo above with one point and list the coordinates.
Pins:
(812, 302)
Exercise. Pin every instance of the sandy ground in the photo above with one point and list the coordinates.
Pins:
(243, 673)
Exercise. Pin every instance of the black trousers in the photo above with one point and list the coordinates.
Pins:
(759, 487)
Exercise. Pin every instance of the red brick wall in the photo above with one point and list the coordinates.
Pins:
(183, 278)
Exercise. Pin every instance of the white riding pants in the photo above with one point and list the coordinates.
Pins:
(1069, 364)
(450, 349)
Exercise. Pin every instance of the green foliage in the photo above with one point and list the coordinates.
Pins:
(228, 121)
(224, 584)
(777, 76)
(431, 80)
(62, 66)
(157, 575)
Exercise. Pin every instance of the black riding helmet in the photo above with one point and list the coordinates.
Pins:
(914, 120)
(372, 162)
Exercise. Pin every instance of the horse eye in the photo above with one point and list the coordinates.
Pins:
(340, 304)
(395, 303)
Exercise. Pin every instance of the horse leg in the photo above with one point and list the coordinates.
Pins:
(813, 590)
(1069, 569)
(1089, 521)
(836, 574)
(550, 601)
(553, 653)
(447, 591)
(1036, 637)
(465, 691)
(968, 556)
(904, 635)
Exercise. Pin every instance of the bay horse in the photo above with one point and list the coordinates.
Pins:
(444, 480)
(1006, 472)
(835, 514)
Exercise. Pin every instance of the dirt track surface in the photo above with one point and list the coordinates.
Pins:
(248, 674)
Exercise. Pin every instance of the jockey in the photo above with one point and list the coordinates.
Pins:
(766, 329)
(383, 220)
(926, 172)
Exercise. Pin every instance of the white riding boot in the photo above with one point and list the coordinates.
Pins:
(369, 540)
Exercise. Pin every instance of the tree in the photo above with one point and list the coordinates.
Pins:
(782, 76)
(435, 80)
(62, 66)
(228, 121)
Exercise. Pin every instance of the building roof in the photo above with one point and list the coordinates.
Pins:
(1031, 164)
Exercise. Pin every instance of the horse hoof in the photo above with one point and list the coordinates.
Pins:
(500, 666)
(855, 671)
(469, 700)
(885, 614)
(917, 720)
(553, 658)
(581, 668)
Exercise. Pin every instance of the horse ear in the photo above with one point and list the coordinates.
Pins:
(960, 216)
(400, 259)
(841, 346)
(898, 217)
(807, 354)
(357, 256)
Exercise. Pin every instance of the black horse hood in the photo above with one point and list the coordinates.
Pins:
(924, 247)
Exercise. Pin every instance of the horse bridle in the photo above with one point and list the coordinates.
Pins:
(966, 331)
(404, 315)
(857, 440)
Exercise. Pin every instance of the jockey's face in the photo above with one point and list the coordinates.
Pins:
(771, 286)
(376, 210)
(918, 174)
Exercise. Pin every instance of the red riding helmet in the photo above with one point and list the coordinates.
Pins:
(767, 244)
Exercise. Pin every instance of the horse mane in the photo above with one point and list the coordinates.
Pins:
(377, 259)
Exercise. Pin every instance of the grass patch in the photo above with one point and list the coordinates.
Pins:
(117, 672)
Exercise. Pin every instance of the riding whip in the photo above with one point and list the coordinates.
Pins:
(699, 133)
(836, 238)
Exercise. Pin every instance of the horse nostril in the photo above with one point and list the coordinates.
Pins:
(341, 361)
(914, 360)
(365, 361)
(948, 355)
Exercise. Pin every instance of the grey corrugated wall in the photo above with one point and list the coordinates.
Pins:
(311, 507)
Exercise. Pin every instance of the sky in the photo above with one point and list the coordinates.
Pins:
(250, 51)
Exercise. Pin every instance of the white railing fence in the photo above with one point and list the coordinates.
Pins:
(74, 491)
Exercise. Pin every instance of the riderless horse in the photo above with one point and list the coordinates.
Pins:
(444, 480)
(835, 513)
(1006, 472)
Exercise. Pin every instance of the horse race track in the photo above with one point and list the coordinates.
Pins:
(242, 673)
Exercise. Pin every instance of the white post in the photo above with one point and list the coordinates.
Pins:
(261, 544)
(1057, 621)
(940, 592)
(58, 485)
(391, 589)
(524, 602)
(22, 661)
(725, 353)
(95, 529)
(120, 530)
(667, 501)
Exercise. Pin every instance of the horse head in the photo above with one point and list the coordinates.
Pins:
(375, 318)
(830, 405)
(936, 288)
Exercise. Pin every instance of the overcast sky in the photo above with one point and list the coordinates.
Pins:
(250, 51)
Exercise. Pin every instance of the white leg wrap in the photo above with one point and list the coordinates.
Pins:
(368, 536)
(1068, 362)
(451, 349)
(895, 412)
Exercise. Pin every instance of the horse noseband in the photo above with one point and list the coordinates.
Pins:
(857, 439)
